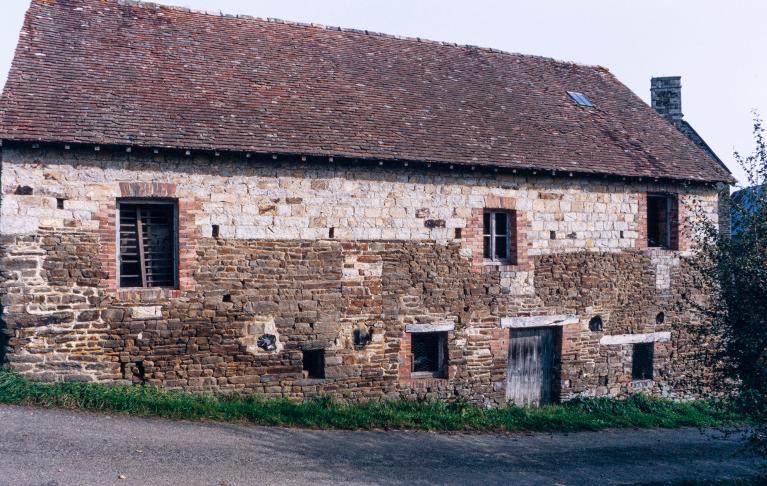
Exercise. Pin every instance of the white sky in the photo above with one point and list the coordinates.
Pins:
(717, 46)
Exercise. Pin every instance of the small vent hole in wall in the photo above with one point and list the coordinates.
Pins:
(215, 231)
(595, 324)
(60, 203)
(331, 233)
(621, 234)
(362, 337)
(458, 233)
(552, 235)
(227, 297)
(314, 363)
(660, 318)
(23, 191)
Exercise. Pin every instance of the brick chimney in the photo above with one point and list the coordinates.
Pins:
(667, 97)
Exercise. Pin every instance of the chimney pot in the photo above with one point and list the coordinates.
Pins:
(666, 94)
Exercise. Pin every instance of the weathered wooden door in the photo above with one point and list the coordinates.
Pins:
(531, 366)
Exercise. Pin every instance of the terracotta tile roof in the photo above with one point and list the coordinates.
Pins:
(107, 72)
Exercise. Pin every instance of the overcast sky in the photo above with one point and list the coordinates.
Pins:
(717, 46)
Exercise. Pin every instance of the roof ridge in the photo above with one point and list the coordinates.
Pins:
(213, 13)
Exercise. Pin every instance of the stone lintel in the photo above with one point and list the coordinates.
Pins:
(650, 337)
(538, 321)
(430, 327)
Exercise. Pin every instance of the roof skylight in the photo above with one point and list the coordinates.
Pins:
(580, 98)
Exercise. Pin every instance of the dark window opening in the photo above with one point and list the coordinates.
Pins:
(499, 236)
(148, 244)
(642, 361)
(227, 298)
(215, 231)
(458, 233)
(429, 353)
(661, 221)
(660, 318)
(596, 324)
(23, 191)
(60, 203)
(314, 363)
(332, 233)
(552, 235)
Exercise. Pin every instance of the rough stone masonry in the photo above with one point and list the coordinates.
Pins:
(273, 269)
(225, 204)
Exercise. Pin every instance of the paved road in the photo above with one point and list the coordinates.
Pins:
(51, 447)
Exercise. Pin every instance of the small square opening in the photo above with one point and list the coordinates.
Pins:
(642, 361)
(314, 363)
(429, 354)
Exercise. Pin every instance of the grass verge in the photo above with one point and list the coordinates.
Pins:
(145, 401)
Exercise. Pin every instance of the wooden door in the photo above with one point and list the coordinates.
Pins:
(531, 369)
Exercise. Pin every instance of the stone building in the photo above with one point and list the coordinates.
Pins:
(228, 204)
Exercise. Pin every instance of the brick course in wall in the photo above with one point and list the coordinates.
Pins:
(274, 270)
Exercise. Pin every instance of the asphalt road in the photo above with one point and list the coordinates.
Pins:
(52, 447)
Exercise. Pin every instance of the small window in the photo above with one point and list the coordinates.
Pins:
(661, 221)
(642, 361)
(314, 363)
(499, 236)
(429, 354)
(148, 244)
(580, 98)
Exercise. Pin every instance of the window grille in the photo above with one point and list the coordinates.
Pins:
(148, 241)
(429, 350)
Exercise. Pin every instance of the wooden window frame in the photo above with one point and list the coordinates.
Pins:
(672, 220)
(175, 230)
(511, 234)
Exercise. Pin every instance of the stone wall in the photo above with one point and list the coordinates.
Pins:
(394, 259)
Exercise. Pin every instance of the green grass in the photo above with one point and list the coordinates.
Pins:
(145, 401)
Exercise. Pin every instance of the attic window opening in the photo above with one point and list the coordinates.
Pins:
(499, 236)
(662, 223)
(580, 98)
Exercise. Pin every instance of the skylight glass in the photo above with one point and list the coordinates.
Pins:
(580, 98)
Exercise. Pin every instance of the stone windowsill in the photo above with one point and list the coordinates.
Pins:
(140, 294)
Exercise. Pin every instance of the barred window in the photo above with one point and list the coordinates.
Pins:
(499, 236)
(148, 243)
(429, 351)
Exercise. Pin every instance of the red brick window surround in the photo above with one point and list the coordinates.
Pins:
(187, 211)
(484, 242)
